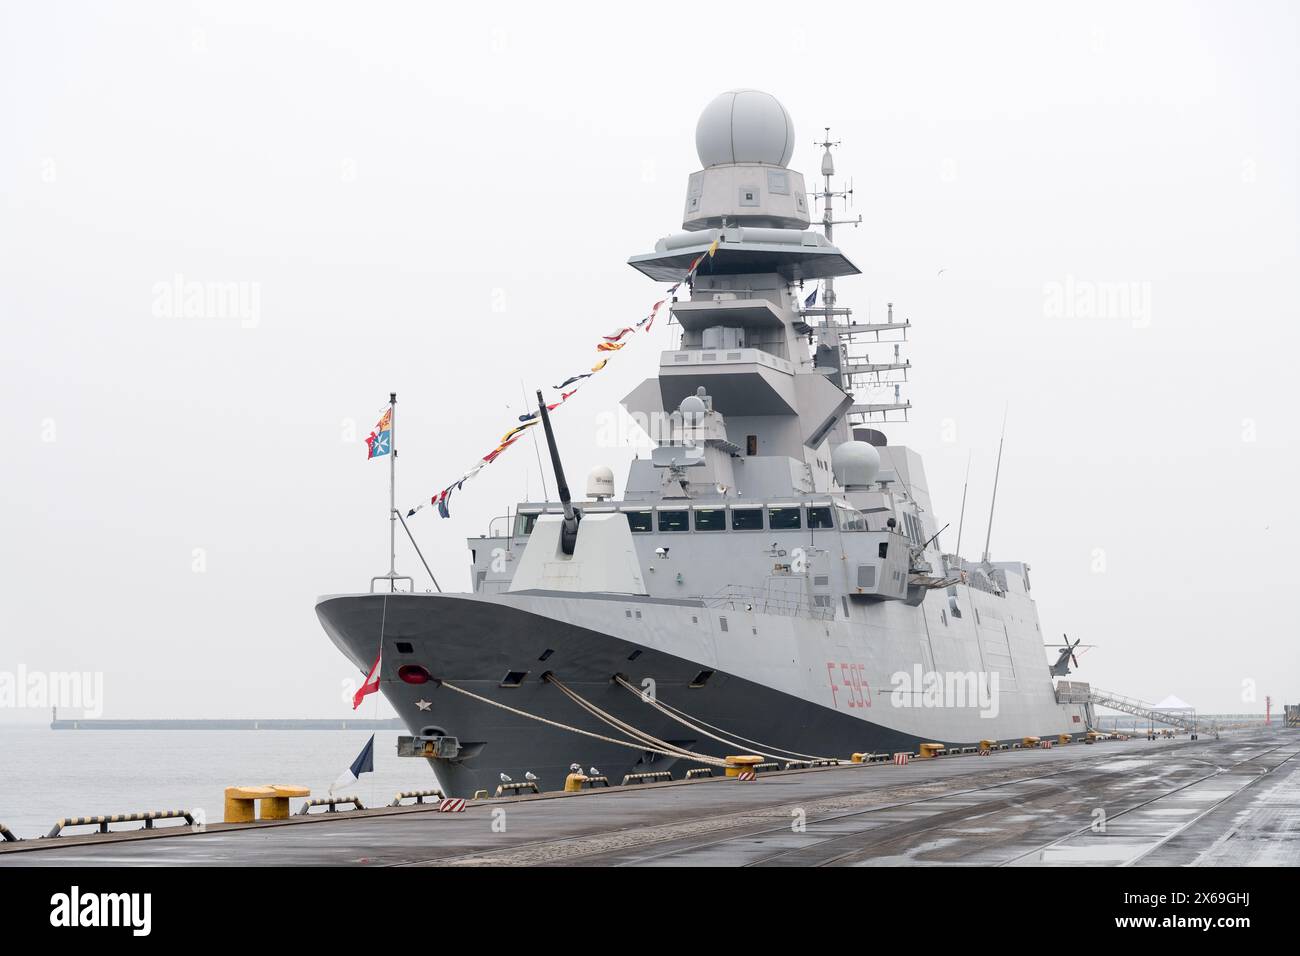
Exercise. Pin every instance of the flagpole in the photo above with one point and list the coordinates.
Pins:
(392, 491)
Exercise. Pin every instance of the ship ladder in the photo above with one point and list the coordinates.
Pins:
(680, 716)
(674, 752)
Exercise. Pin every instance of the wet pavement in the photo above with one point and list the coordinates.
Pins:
(1234, 801)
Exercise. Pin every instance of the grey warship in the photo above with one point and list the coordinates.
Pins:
(772, 575)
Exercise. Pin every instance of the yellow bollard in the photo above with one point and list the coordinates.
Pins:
(1029, 742)
(988, 744)
(931, 749)
(743, 762)
(241, 803)
(276, 807)
(858, 758)
(573, 782)
(1063, 739)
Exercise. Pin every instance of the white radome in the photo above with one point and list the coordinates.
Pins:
(744, 126)
(693, 409)
(600, 482)
(855, 463)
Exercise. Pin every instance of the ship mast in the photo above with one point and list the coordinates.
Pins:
(849, 364)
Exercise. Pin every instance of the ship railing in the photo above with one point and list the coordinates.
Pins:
(737, 597)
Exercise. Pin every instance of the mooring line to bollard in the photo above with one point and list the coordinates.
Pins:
(680, 716)
(699, 758)
(627, 728)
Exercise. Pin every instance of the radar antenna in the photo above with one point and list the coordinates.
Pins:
(839, 350)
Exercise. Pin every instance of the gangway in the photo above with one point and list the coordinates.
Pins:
(1140, 708)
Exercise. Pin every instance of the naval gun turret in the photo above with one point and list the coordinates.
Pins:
(569, 531)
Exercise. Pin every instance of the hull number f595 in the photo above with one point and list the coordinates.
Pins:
(850, 680)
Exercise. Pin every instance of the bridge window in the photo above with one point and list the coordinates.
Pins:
(639, 521)
(524, 524)
(852, 520)
(751, 444)
(746, 519)
(674, 521)
(783, 519)
(711, 519)
(820, 518)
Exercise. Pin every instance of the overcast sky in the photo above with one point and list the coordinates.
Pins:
(439, 199)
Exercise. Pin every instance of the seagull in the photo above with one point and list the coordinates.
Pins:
(575, 767)
(530, 776)
(505, 778)
(940, 272)
(594, 772)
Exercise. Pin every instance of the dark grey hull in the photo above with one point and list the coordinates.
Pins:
(473, 643)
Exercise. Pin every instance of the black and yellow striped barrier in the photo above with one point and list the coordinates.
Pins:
(697, 773)
(529, 786)
(331, 804)
(767, 767)
(416, 795)
(647, 776)
(148, 817)
(598, 781)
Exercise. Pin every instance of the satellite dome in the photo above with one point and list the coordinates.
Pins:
(744, 126)
(855, 464)
(692, 409)
(600, 482)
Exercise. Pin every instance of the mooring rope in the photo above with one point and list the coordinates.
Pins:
(680, 716)
(627, 728)
(686, 755)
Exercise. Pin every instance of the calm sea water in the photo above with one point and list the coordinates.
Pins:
(47, 774)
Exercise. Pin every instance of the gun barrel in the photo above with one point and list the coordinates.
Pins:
(570, 519)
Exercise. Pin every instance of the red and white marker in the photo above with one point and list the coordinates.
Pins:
(452, 805)
(901, 759)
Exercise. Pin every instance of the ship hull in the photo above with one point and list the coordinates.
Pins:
(820, 698)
